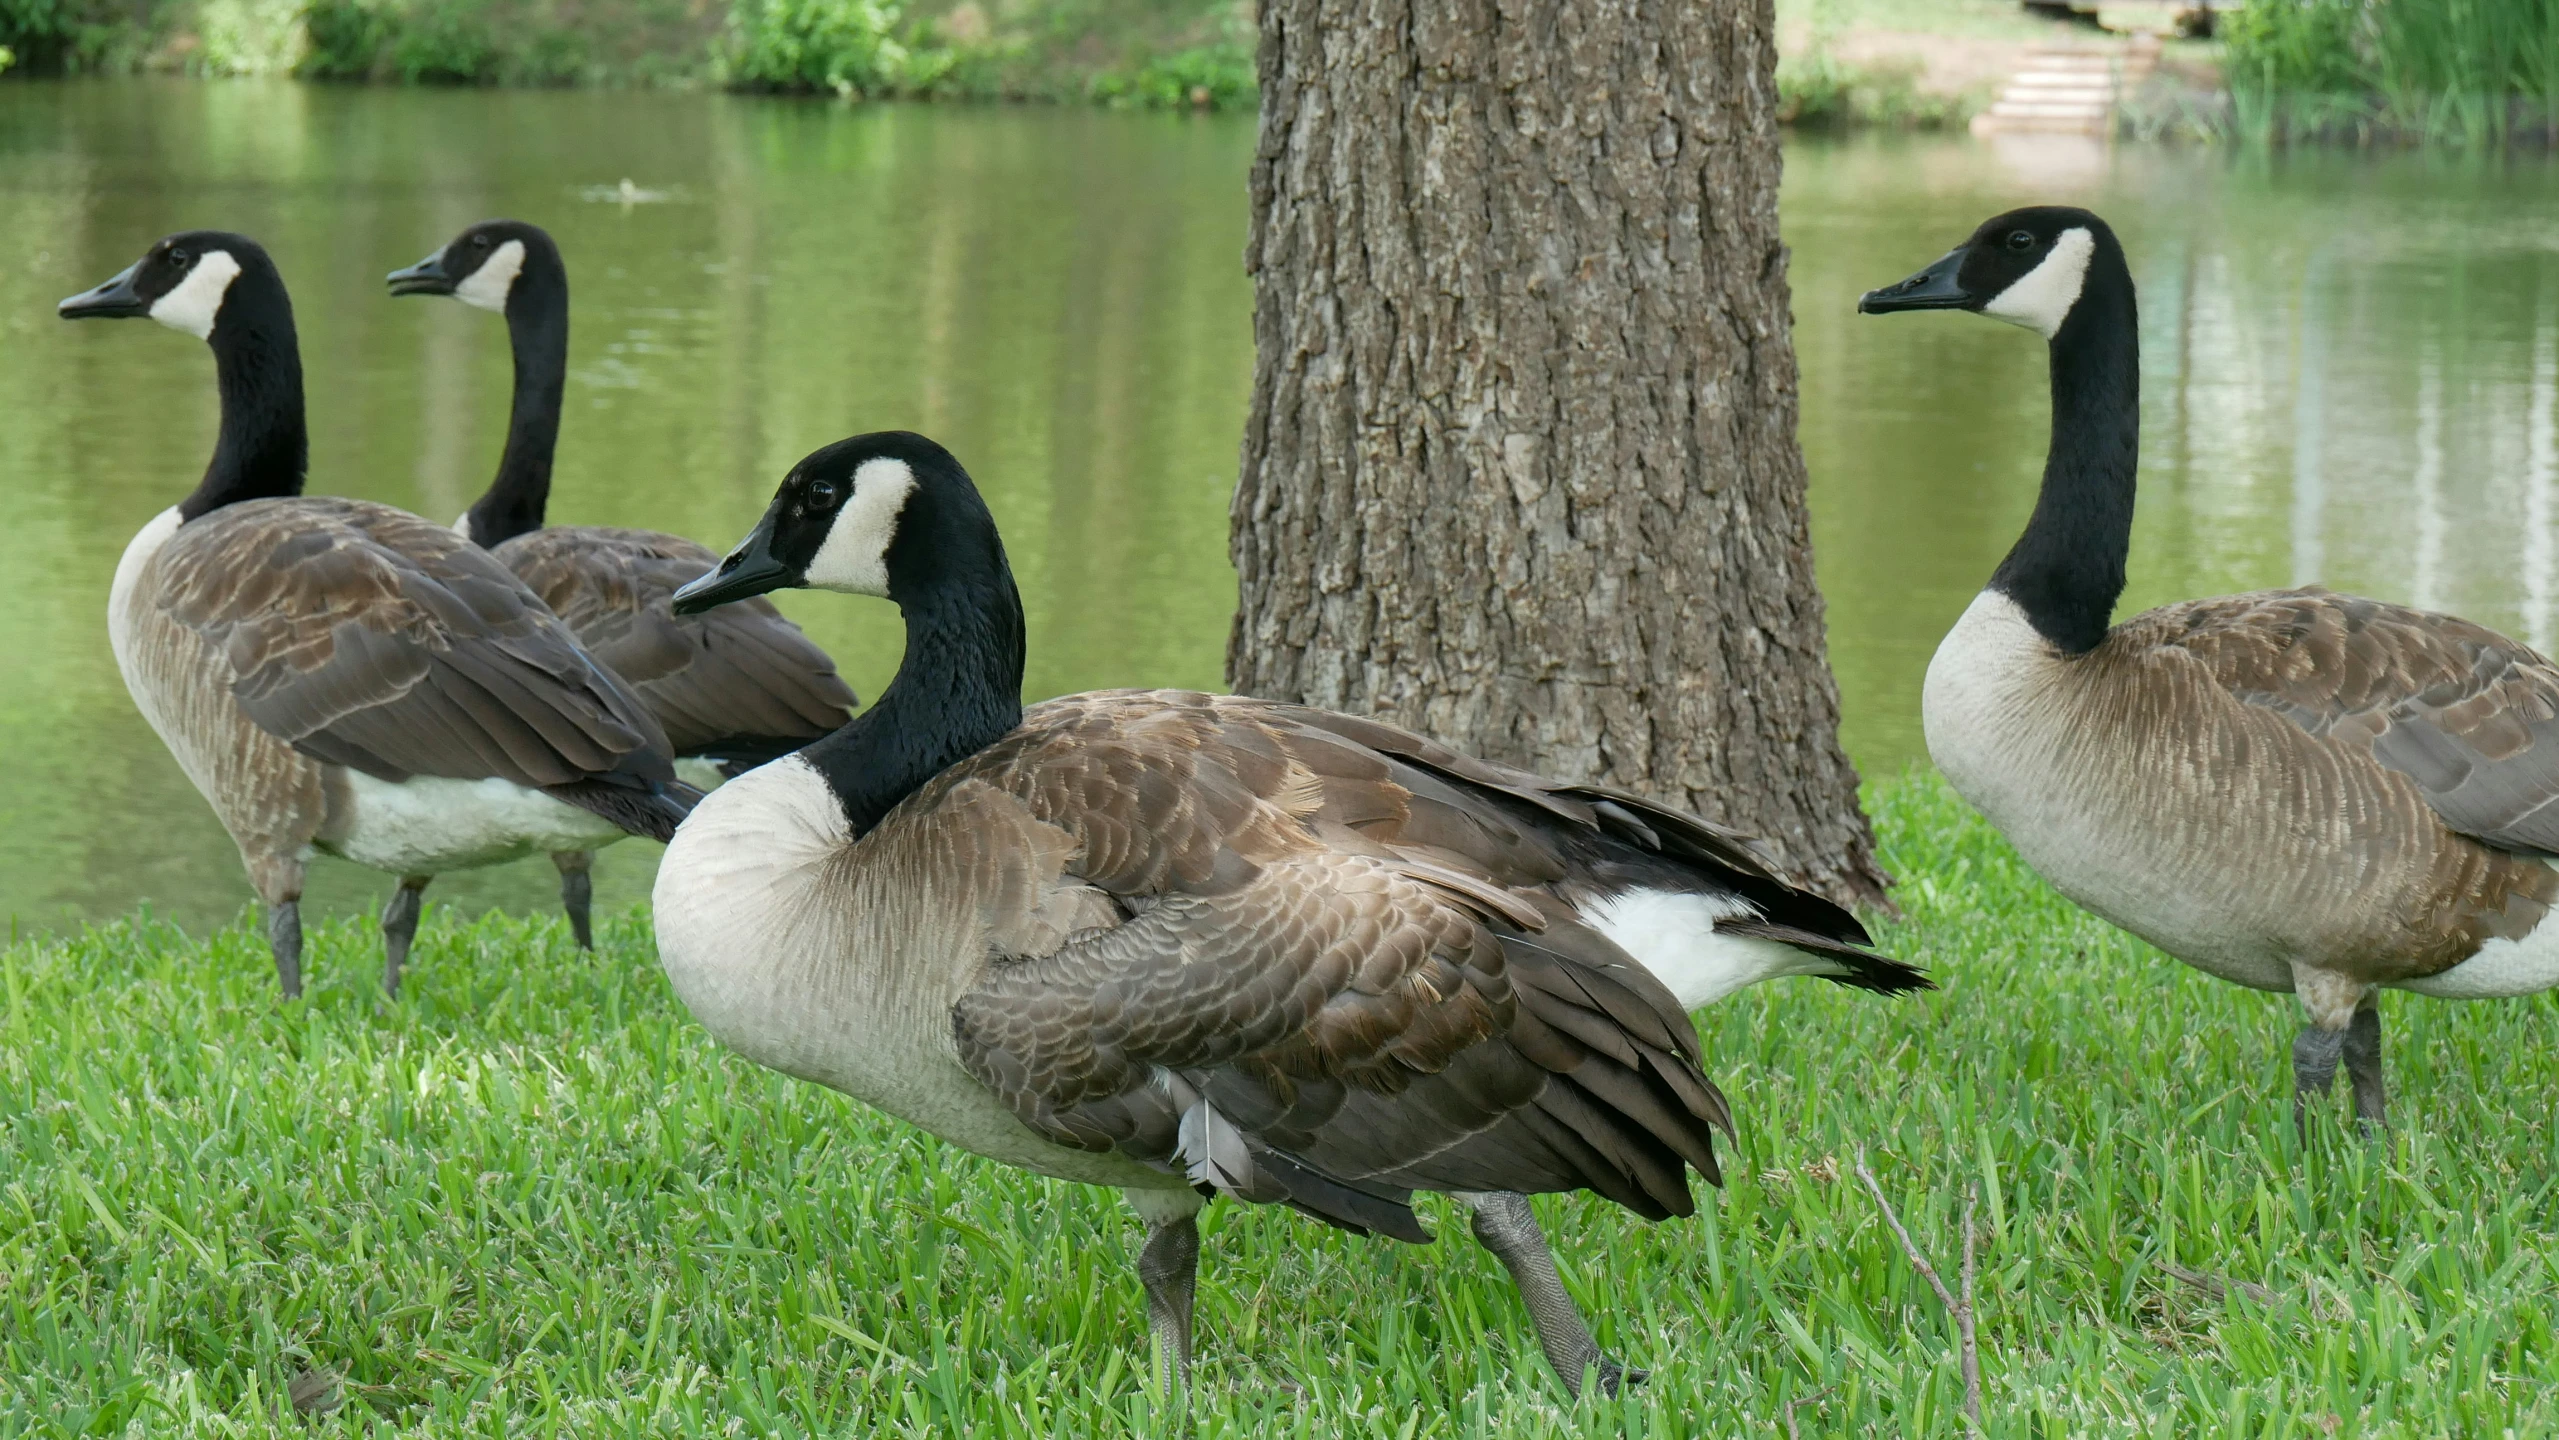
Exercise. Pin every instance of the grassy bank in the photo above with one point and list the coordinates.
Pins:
(532, 1198)
(2472, 72)
(1150, 52)
(1154, 53)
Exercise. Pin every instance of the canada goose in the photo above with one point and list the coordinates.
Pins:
(2295, 790)
(1184, 943)
(732, 689)
(340, 675)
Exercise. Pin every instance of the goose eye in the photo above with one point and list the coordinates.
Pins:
(479, 242)
(2021, 239)
(180, 258)
(821, 495)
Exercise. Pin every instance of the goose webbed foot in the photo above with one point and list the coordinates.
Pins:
(577, 893)
(399, 927)
(1169, 1268)
(1508, 1227)
(2363, 1068)
(284, 937)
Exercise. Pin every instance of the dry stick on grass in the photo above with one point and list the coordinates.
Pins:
(1969, 1350)
(1798, 1403)
(2214, 1285)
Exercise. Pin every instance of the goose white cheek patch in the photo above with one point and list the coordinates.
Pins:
(197, 299)
(2042, 298)
(855, 557)
(487, 286)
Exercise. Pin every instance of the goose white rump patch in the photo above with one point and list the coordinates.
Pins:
(2501, 970)
(428, 824)
(1672, 934)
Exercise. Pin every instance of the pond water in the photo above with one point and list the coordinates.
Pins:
(2349, 364)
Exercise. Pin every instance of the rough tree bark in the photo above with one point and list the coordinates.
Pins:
(1521, 469)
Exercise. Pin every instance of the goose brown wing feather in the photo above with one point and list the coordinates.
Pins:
(1577, 814)
(2469, 716)
(365, 636)
(738, 673)
(1374, 1018)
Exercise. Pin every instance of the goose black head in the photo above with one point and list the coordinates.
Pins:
(2028, 267)
(482, 264)
(183, 281)
(889, 514)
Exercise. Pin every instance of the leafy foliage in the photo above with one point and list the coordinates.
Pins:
(77, 36)
(1206, 77)
(849, 47)
(1168, 53)
(495, 42)
(1816, 91)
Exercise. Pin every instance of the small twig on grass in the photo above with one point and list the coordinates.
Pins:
(314, 1392)
(1965, 1319)
(1799, 1402)
(1968, 1351)
(2214, 1285)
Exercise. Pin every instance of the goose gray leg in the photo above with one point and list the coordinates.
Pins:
(278, 881)
(1508, 1227)
(2363, 1064)
(284, 937)
(2331, 1001)
(2314, 1069)
(577, 893)
(399, 927)
(1169, 1268)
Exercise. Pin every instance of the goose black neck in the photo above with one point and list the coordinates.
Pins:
(263, 449)
(2067, 570)
(957, 691)
(537, 327)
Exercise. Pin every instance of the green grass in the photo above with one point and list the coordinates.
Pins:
(531, 1198)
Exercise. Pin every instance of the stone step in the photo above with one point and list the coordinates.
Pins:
(2023, 110)
(1986, 125)
(2069, 88)
(2071, 59)
(2093, 94)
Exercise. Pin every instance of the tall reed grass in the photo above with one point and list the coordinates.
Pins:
(2460, 71)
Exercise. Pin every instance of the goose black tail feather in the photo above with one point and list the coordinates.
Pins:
(649, 809)
(1864, 969)
(1354, 1208)
(738, 754)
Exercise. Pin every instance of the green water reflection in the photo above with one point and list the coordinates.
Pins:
(2350, 371)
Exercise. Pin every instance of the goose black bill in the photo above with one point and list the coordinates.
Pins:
(1939, 287)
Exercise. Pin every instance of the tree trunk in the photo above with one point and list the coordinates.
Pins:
(1521, 471)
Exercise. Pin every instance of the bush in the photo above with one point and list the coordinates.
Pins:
(1205, 77)
(848, 46)
(1119, 52)
(1819, 91)
(504, 42)
(59, 37)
